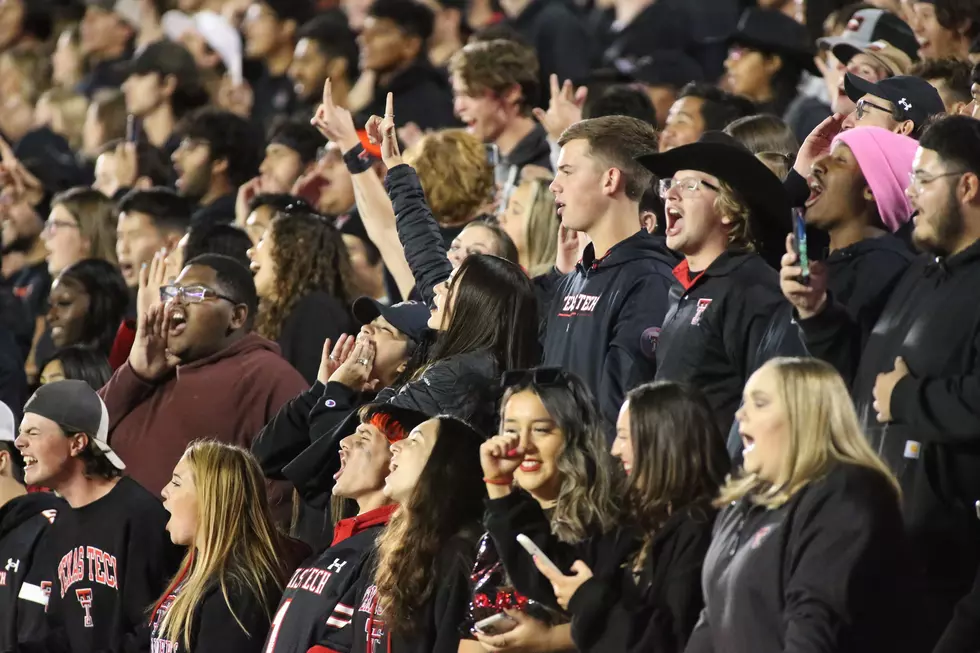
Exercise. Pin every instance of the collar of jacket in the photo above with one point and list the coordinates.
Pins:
(354, 525)
(720, 267)
(967, 257)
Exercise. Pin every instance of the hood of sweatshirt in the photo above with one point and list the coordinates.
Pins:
(249, 343)
(20, 509)
(883, 243)
(641, 245)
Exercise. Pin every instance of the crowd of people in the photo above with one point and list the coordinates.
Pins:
(519, 326)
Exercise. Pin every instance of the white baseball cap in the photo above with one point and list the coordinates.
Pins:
(129, 10)
(217, 32)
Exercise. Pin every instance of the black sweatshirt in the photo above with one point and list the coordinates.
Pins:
(716, 322)
(657, 611)
(104, 565)
(315, 318)
(599, 318)
(933, 443)
(439, 620)
(310, 610)
(823, 573)
(24, 522)
(215, 626)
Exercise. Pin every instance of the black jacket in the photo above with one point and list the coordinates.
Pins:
(599, 319)
(933, 442)
(438, 619)
(422, 95)
(716, 322)
(23, 524)
(823, 572)
(310, 606)
(220, 211)
(315, 318)
(660, 26)
(962, 635)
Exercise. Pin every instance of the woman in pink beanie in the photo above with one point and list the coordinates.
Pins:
(858, 198)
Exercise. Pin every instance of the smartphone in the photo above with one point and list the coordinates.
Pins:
(536, 552)
(497, 624)
(492, 153)
(131, 134)
(799, 233)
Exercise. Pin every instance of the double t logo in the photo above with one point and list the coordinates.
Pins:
(85, 598)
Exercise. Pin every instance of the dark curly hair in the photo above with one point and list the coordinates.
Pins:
(310, 255)
(410, 548)
(109, 299)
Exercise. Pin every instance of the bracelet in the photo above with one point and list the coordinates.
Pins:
(498, 481)
(358, 160)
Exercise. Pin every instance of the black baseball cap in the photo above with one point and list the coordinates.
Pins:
(915, 98)
(411, 318)
(76, 408)
(165, 58)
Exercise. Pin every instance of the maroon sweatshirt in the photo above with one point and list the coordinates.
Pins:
(228, 397)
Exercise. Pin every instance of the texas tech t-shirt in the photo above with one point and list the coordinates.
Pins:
(103, 566)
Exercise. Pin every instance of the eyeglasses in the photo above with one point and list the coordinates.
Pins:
(688, 186)
(863, 106)
(51, 226)
(917, 181)
(191, 294)
(535, 376)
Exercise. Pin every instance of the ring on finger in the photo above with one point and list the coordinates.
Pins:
(363, 361)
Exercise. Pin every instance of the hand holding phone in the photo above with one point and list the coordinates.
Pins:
(497, 624)
(536, 552)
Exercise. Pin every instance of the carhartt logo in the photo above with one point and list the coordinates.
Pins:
(12, 565)
(905, 104)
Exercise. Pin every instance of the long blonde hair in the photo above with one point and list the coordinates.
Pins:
(823, 431)
(239, 546)
(539, 230)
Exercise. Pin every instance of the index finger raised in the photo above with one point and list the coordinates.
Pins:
(327, 93)
(390, 105)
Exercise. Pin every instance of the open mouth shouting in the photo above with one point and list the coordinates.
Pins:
(178, 320)
(816, 190)
(675, 221)
(748, 442)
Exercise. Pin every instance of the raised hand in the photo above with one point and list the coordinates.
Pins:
(501, 455)
(818, 143)
(151, 278)
(382, 130)
(355, 371)
(564, 108)
(334, 356)
(246, 192)
(335, 122)
(148, 357)
(811, 298)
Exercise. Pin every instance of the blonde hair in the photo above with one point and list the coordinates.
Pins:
(238, 545)
(454, 172)
(540, 230)
(731, 205)
(96, 216)
(823, 431)
(71, 108)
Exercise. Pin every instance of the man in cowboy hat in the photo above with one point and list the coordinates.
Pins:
(721, 202)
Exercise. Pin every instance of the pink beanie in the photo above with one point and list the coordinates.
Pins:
(885, 160)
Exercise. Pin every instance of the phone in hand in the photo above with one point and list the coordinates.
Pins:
(132, 134)
(799, 244)
(497, 624)
(536, 552)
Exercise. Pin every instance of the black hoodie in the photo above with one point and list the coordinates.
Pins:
(822, 572)
(599, 318)
(422, 95)
(23, 522)
(718, 317)
(932, 321)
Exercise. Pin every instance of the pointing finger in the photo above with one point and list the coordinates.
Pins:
(327, 93)
(390, 106)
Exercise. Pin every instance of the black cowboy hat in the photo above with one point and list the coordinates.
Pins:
(720, 155)
(773, 31)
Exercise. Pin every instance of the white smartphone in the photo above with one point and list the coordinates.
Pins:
(497, 624)
(536, 552)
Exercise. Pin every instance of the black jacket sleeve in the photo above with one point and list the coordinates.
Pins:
(963, 632)
(613, 614)
(287, 435)
(519, 513)
(418, 231)
(625, 366)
